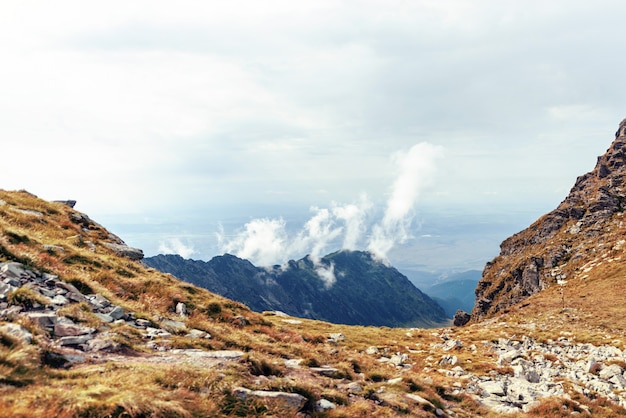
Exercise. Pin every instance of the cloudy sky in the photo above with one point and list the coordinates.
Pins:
(155, 114)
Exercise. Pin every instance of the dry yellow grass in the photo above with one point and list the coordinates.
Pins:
(134, 383)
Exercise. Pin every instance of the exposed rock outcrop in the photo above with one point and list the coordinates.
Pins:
(559, 243)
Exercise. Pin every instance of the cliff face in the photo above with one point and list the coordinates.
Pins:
(561, 244)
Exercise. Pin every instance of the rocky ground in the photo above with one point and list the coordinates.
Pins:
(523, 371)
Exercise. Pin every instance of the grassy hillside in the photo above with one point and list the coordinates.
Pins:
(338, 370)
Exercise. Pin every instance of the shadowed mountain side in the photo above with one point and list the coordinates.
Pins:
(366, 292)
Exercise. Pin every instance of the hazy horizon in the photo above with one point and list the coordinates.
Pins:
(287, 126)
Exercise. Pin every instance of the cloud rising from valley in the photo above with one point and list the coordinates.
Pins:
(353, 226)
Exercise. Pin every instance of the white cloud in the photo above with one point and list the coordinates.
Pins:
(176, 246)
(416, 170)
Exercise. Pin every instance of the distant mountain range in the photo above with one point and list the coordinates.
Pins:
(456, 292)
(366, 291)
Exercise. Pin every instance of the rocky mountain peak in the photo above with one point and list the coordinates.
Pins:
(557, 245)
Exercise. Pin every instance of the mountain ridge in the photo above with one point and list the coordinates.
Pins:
(365, 291)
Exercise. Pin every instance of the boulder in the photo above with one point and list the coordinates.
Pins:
(461, 318)
(324, 405)
(125, 251)
(291, 401)
(181, 309)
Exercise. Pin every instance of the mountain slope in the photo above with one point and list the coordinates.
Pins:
(584, 232)
(366, 292)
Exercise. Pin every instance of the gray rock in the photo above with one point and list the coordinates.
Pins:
(72, 292)
(143, 323)
(17, 331)
(336, 338)
(610, 371)
(45, 320)
(354, 388)
(99, 301)
(399, 359)
(102, 343)
(70, 203)
(452, 345)
(324, 405)
(125, 251)
(181, 309)
(13, 270)
(196, 333)
(173, 326)
(5, 289)
(116, 313)
(325, 371)
(372, 350)
(107, 319)
(418, 399)
(53, 248)
(157, 333)
(231, 355)
(71, 330)
(492, 388)
(293, 363)
(60, 300)
(290, 401)
(74, 340)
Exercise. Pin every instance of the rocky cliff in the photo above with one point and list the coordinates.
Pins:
(563, 244)
(365, 292)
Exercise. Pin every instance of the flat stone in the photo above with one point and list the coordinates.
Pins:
(196, 333)
(107, 319)
(493, 388)
(337, 337)
(293, 363)
(125, 251)
(101, 344)
(325, 371)
(60, 300)
(324, 405)
(418, 399)
(292, 321)
(143, 323)
(71, 330)
(73, 293)
(12, 270)
(17, 331)
(53, 248)
(157, 333)
(116, 313)
(75, 340)
(290, 401)
(46, 320)
(173, 326)
(99, 301)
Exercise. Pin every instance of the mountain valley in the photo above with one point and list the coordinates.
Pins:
(88, 330)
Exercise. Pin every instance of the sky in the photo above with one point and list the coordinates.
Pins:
(279, 128)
